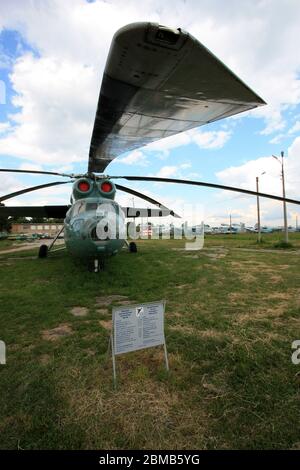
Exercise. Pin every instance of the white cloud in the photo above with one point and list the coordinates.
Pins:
(167, 144)
(4, 127)
(134, 158)
(277, 139)
(244, 176)
(184, 166)
(30, 166)
(9, 183)
(51, 196)
(204, 139)
(56, 90)
(167, 171)
(52, 126)
(211, 139)
(295, 128)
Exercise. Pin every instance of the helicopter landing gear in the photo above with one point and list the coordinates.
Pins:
(132, 247)
(43, 251)
(96, 265)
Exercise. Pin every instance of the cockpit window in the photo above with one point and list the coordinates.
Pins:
(101, 208)
(91, 206)
(78, 208)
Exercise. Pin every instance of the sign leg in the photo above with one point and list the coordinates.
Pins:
(166, 356)
(109, 345)
(113, 362)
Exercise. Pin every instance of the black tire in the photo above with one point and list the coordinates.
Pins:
(90, 266)
(132, 247)
(43, 251)
(101, 264)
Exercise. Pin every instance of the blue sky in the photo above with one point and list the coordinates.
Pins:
(52, 56)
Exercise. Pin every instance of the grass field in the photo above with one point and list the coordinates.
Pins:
(232, 313)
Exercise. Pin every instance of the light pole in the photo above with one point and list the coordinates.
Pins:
(258, 209)
(286, 233)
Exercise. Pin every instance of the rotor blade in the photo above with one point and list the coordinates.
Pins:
(32, 188)
(146, 198)
(48, 212)
(158, 82)
(209, 185)
(38, 172)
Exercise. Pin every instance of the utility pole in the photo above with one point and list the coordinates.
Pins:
(258, 209)
(230, 229)
(286, 232)
(258, 213)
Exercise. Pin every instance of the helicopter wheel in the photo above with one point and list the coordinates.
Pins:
(132, 247)
(90, 266)
(43, 251)
(101, 264)
(96, 265)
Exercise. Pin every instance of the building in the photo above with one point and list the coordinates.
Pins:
(41, 228)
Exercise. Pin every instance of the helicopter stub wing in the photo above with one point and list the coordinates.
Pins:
(158, 82)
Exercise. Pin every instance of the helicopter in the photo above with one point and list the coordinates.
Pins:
(157, 82)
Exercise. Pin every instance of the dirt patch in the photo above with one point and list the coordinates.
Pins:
(89, 352)
(247, 278)
(45, 359)
(79, 311)
(174, 314)
(127, 302)
(235, 297)
(212, 267)
(107, 324)
(102, 311)
(109, 299)
(280, 295)
(275, 278)
(296, 446)
(214, 256)
(58, 332)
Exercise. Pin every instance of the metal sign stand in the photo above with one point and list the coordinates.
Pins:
(111, 346)
(113, 361)
(166, 357)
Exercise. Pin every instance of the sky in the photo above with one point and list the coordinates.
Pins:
(52, 57)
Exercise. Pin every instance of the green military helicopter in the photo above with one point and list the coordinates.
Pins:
(157, 82)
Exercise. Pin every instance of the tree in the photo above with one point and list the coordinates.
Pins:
(5, 224)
